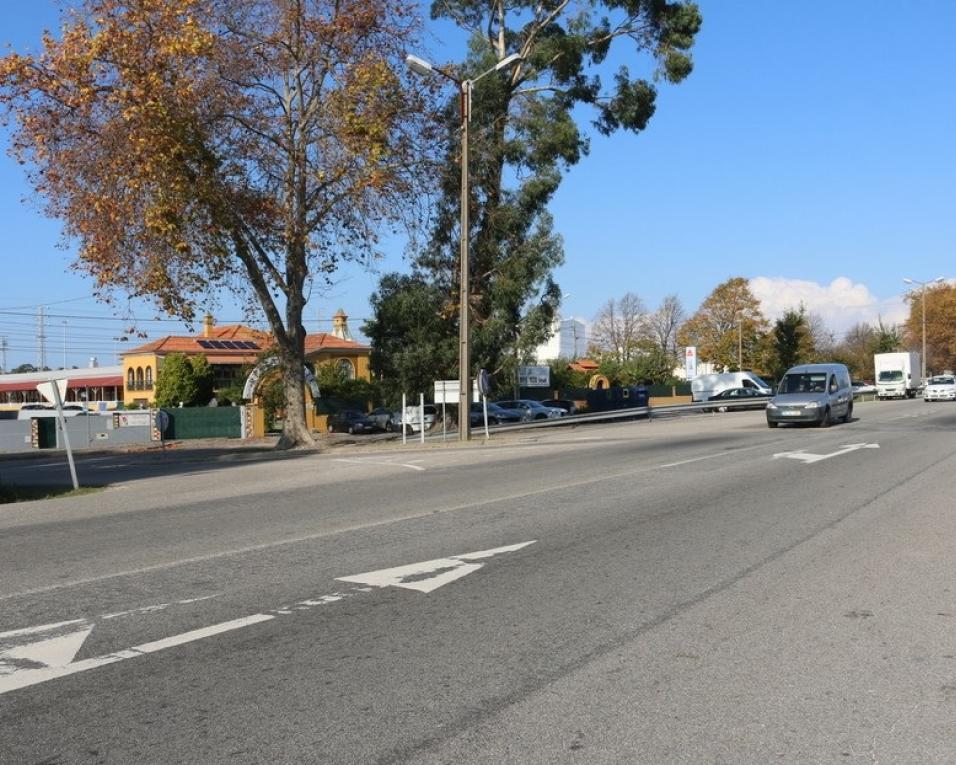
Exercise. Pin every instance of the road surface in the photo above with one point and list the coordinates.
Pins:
(702, 589)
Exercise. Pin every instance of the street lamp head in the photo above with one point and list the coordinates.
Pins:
(907, 280)
(939, 280)
(507, 61)
(418, 65)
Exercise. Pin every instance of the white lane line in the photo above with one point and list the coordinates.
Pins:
(41, 628)
(380, 462)
(157, 607)
(713, 456)
(28, 677)
(55, 652)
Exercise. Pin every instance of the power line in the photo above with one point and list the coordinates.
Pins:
(100, 317)
(53, 302)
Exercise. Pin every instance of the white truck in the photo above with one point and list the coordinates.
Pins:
(705, 386)
(897, 374)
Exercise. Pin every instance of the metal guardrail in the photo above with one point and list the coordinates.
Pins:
(631, 413)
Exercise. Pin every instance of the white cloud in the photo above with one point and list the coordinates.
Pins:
(841, 303)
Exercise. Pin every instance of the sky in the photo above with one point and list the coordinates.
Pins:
(810, 151)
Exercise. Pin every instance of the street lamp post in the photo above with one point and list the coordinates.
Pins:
(922, 286)
(420, 66)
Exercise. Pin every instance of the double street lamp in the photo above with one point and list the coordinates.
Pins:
(922, 286)
(420, 66)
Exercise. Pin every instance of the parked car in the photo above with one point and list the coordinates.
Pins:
(532, 410)
(737, 398)
(562, 403)
(350, 421)
(497, 415)
(381, 417)
(394, 423)
(28, 411)
(940, 388)
(860, 388)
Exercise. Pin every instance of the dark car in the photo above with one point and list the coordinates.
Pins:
(497, 415)
(532, 410)
(737, 398)
(381, 417)
(562, 403)
(350, 421)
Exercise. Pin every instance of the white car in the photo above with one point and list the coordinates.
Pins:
(940, 388)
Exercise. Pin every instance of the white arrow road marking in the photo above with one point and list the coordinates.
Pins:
(808, 458)
(443, 571)
(26, 660)
(59, 644)
(25, 677)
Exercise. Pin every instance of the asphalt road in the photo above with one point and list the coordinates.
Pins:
(693, 590)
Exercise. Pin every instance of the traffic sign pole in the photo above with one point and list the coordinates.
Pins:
(58, 402)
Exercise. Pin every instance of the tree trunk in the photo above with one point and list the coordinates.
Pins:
(295, 429)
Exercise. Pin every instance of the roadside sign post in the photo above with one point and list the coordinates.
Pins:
(421, 415)
(162, 424)
(484, 387)
(404, 436)
(55, 390)
(444, 423)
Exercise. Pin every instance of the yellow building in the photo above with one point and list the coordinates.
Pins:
(232, 350)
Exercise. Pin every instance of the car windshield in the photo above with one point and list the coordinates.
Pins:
(803, 382)
(942, 380)
(895, 375)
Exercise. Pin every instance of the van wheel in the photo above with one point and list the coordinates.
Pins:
(849, 413)
(825, 422)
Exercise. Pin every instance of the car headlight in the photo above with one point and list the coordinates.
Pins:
(771, 405)
(812, 405)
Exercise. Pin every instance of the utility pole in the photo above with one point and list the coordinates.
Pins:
(64, 344)
(41, 339)
(3, 353)
(922, 286)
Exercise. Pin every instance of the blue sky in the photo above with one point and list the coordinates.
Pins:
(811, 151)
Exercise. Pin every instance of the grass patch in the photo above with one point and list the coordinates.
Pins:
(27, 493)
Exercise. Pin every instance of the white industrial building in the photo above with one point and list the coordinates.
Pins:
(568, 340)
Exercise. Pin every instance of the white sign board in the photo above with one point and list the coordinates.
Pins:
(534, 377)
(446, 391)
(134, 419)
(46, 389)
(690, 362)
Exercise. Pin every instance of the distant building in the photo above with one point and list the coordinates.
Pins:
(232, 350)
(568, 341)
(98, 387)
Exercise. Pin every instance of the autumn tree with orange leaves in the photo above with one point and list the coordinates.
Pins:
(196, 145)
(940, 326)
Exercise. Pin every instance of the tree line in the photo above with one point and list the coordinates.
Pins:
(731, 332)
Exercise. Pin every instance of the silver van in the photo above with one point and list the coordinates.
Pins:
(814, 393)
